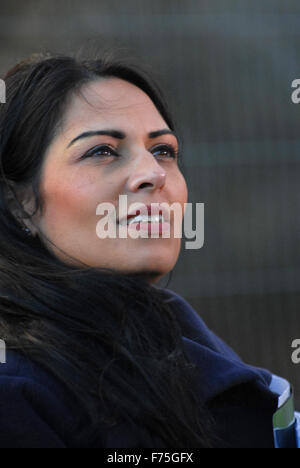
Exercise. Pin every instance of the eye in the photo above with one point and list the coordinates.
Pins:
(168, 150)
(102, 150)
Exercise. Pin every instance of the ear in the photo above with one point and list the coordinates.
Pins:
(20, 204)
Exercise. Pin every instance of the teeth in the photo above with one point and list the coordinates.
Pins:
(142, 219)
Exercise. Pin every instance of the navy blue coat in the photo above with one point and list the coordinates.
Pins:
(37, 411)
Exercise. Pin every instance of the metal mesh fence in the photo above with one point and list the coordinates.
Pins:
(227, 68)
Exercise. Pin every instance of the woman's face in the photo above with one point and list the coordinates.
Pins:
(136, 165)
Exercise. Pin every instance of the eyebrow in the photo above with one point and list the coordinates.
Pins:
(119, 134)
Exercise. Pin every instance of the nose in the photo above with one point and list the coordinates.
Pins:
(147, 175)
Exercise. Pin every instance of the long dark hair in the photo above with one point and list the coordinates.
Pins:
(112, 339)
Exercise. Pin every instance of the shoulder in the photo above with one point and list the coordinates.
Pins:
(210, 350)
(239, 395)
(34, 409)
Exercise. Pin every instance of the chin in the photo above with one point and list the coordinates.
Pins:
(150, 277)
(154, 269)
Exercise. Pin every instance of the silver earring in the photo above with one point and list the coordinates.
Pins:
(26, 231)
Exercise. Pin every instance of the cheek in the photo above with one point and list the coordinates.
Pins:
(71, 201)
(65, 198)
(185, 193)
(181, 192)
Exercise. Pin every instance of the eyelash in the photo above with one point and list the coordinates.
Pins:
(91, 152)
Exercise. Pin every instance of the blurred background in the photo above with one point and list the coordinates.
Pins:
(227, 68)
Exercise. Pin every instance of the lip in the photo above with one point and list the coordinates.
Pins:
(153, 209)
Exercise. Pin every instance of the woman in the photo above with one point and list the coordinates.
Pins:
(97, 354)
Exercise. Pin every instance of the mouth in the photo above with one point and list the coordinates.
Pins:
(156, 221)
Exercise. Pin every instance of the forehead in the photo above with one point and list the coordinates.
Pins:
(111, 100)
